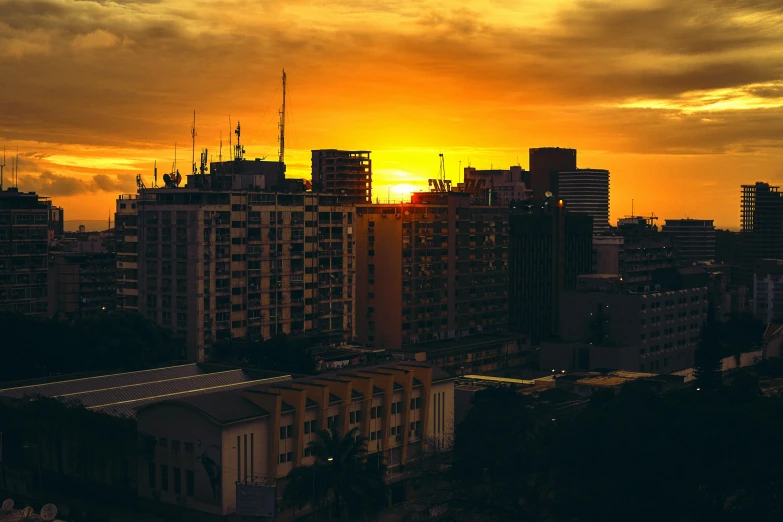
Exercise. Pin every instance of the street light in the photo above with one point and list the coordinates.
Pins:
(330, 459)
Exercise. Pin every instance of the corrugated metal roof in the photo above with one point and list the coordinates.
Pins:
(128, 409)
(56, 389)
(121, 394)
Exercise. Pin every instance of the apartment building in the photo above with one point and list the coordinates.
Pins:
(201, 450)
(347, 173)
(81, 284)
(603, 324)
(24, 249)
(127, 251)
(434, 269)
(244, 264)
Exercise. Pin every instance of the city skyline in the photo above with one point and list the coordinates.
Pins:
(680, 103)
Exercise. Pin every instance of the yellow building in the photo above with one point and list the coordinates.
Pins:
(199, 449)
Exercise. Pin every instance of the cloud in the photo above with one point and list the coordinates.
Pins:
(50, 184)
(98, 39)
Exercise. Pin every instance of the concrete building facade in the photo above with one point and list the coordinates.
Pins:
(498, 187)
(347, 173)
(586, 191)
(199, 449)
(431, 270)
(644, 250)
(549, 248)
(761, 226)
(24, 251)
(245, 264)
(768, 290)
(607, 326)
(694, 239)
(127, 252)
(82, 284)
(545, 164)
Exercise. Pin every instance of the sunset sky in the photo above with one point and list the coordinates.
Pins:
(681, 100)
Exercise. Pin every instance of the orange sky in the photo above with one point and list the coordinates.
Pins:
(680, 100)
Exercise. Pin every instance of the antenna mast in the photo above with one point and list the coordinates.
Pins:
(442, 173)
(193, 138)
(220, 153)
(1, 169)
(281, 156)
(16, 169)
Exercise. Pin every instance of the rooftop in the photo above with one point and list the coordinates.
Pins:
(121, 394)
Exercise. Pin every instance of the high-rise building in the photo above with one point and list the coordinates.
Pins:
(496, 186)
(694, 239)
(550, 247)
(545, 164)
(347, 173)
(216, 265)
(24, 250)
(644, 250)
(761, 221)
(434, 269)
(127, 251)
(585, 191)
(81, 284)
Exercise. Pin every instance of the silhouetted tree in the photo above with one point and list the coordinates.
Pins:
(708, 366)
(340, 480)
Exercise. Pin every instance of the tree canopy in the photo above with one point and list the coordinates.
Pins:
(111, 341)
(687, 456)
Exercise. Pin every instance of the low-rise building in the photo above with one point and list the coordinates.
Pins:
(200, 450)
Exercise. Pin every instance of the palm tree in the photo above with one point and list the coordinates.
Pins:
(339, 482)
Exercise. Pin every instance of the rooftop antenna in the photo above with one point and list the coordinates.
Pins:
(281, 156)
(632, 214)
(459, 169)
(174, 165)
(239, 152)
(442, 172)
(16, 169)
(1, 169)
(193, 146)
(220, 153)
(155, 182)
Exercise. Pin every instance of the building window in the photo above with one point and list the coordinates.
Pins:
(152, 475)
(177, 480)
(189, 482)
(396, 407)
(376, 412)
(416, 403)
(355, 417)
(164, 478)
(163, 442)
(308, 452)
(286, 432)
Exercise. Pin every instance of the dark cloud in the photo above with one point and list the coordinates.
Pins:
(50, 184)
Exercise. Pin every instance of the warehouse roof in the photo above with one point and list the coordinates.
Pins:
(121, 394)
